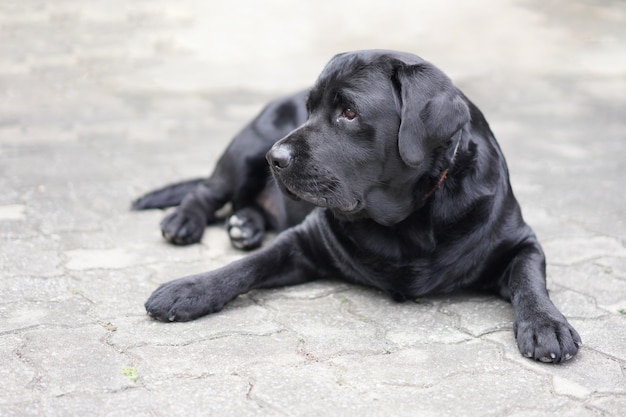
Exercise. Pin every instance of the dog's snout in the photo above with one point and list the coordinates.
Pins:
(280, 157)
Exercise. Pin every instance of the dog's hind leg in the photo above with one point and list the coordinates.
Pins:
(197, 201)
(241, 174)
(186, 224)
(169, 196)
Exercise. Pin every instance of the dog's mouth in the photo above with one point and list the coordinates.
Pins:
(349, 207)
(345, 207)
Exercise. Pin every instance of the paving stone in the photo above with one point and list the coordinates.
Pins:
(598, 280)
(342, 332)
(427, 318)
(12, 212)
(29, 257)
(242, 316)
(604, 334)
(405, 383)
(216, 357)
(571, 378)
(60, 369)
(27, 314)
(610, 404)
(574, 250)
(481, 315)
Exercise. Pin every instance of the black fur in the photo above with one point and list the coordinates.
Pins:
(413, 195)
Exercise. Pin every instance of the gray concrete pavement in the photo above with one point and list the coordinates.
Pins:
(101, 101)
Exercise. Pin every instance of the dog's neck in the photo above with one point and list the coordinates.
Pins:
(457, 137)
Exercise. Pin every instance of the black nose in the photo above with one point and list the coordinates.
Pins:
(279, 157)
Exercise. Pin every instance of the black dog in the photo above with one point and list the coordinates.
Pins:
(413, 195)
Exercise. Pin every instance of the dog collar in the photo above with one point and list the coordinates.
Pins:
(444, 174)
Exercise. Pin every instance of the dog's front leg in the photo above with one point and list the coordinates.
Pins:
(542, 332)
(288, 260)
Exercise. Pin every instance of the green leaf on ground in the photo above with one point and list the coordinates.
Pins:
(130, 373)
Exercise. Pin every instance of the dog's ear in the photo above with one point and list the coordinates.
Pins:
(431, 111)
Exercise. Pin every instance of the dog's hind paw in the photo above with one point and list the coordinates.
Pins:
(180, 228)
(246, 229)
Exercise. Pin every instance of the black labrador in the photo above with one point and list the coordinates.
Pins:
(412, 194)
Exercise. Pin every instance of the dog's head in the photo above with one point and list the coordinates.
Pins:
(379, 123)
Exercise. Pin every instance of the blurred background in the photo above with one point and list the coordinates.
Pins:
(550, 76)
(280, 45)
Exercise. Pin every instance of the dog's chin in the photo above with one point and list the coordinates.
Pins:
(286, 191)
(344, 208)
(350, 208)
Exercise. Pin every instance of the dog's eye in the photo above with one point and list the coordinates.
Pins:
(348, 113)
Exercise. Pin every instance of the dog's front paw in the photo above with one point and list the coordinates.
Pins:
(183, 228)
(547, 337)
(183, 299)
